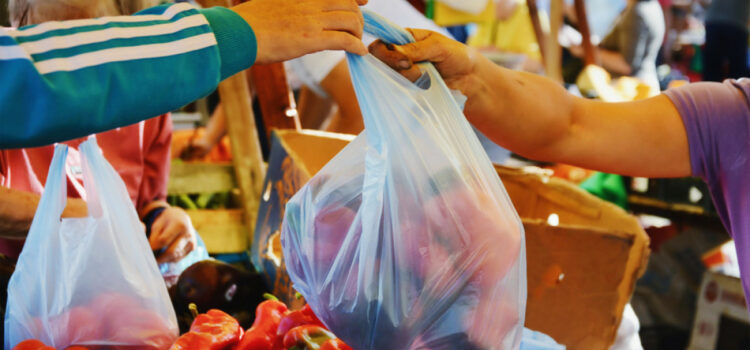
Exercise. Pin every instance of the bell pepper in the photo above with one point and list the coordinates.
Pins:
(32, 344)
(335, 344)
(262, 334)
(309, 337)
(297, 318)
(214, 330)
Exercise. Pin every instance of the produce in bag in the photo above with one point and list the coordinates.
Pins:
(407, 238)
(88, 281)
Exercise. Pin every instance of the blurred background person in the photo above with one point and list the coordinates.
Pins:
(725, 53)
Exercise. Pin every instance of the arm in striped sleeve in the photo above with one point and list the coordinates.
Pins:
(63, 80)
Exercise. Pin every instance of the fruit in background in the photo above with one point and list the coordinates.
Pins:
(211, 284)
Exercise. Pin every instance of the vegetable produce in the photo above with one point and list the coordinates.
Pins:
(262, 335)
(211, 284)
(303, 316)
(214, 330)
(309, 337)
(32, 344)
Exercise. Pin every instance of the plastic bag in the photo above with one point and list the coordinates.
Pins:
(407, 239)
(91, 281)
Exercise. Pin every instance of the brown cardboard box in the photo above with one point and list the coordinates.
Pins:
(582, 261)
(583, 258)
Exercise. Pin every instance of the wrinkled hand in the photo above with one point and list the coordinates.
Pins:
(172, 230)
(457, 63)
(286, 29)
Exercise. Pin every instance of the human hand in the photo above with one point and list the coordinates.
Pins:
(172, 230)
(196, 150)
(286, 29)
(456, 62)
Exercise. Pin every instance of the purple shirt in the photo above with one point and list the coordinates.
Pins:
(717, 121)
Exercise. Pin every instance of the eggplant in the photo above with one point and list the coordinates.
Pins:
(211, 284)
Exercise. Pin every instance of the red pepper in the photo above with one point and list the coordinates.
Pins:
(32, 344)
(309, 337)
(335, 344)
(192, 341)
(262, 335)
(297, 318)
(214, 330)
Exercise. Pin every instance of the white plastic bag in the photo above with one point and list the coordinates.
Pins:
(91, 281)
(407, 239)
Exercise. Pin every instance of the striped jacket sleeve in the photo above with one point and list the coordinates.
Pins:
(63, 80)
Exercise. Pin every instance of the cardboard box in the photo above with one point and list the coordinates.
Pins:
(583, 258)
(295, 157)
(584, 254)
(721, 319)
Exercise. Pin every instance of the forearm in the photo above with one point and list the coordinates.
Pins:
(17, 209)
(535, 117)
(521, 111)
(614, 62)
(166, 57)
(217, 126)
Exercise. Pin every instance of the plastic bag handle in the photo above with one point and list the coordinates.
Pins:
(385, 30)
(55, 194)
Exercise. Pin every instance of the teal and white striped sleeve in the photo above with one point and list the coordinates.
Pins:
(63, 80)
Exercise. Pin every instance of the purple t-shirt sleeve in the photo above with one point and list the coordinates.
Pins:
(716, 118)
(717, 121)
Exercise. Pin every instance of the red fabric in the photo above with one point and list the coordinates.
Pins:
(140, 153)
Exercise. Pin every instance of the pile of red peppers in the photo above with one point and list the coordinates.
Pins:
(275, 328)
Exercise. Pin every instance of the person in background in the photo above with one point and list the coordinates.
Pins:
(511, 31)
(105, 78)
(140, 153)
(327, 85)
(725, 53)
(632, 45)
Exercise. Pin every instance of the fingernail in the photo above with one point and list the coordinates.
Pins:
(404, 64)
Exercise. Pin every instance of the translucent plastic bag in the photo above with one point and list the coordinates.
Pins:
(91, 281)
(407, 239)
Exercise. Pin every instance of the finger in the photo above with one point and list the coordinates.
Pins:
(156, 231)
(341, 5)
(430, 46)
(395, 59)
(171, 233)
(343, 21)
(175, 251)
(334, 40)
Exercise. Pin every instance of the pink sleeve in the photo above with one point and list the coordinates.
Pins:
(156, 160)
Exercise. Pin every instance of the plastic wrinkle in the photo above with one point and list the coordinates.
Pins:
(91, 281)
(407, 238)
